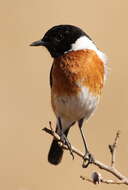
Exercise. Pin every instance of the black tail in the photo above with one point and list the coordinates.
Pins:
(56, 152)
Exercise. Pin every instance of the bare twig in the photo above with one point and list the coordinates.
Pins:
(111, 169)
(106, 181)
(112, 149)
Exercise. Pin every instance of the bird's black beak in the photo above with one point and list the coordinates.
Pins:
(38, 43)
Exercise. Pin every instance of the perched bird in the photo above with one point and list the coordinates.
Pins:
(77, 77)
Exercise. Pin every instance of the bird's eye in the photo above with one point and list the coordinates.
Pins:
(59, 37)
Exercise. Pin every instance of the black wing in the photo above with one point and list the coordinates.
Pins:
(51, 76)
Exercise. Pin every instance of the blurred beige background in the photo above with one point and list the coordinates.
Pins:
(25, 94)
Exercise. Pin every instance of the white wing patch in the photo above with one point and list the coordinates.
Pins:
(85, 43)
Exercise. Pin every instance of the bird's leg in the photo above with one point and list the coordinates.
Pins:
(64, 139)
(88, 157)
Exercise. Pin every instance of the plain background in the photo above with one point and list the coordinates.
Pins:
(25, 94)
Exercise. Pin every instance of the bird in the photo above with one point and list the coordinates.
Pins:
(77, 77)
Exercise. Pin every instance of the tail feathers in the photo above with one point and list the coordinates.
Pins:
(55, 153)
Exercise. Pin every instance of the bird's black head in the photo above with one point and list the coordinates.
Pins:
(59, 39)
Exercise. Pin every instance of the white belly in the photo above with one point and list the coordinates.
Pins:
(74, 108)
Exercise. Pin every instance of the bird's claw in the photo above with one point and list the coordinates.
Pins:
(87, 159)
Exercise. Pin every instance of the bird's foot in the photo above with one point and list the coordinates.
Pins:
(87, 159)
(65, 141)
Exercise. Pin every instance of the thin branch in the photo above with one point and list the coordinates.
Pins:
(57, 137)
(110, 169)
(106, 181)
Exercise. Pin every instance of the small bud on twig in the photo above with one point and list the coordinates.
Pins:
(96, 177)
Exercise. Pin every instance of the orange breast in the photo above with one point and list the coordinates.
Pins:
(75, 69)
